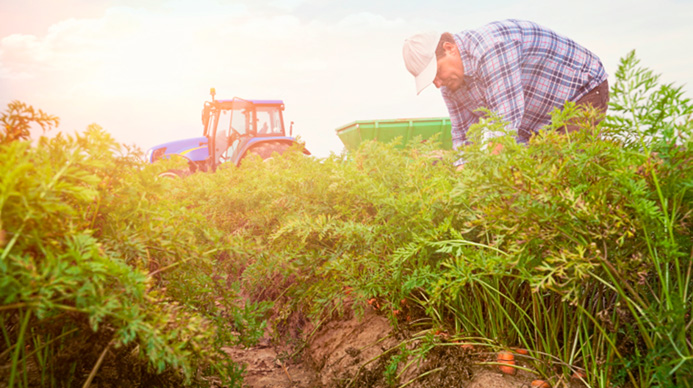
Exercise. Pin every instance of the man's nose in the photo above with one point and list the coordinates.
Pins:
(437, 82)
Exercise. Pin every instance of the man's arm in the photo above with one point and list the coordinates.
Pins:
(460, 120)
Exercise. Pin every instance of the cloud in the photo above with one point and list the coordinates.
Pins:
(365, 23)
(70, 47)
(156, 65)
(287, 5)
(21, 56)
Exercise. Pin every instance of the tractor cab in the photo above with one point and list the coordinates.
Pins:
(232, 129)
(233, 126)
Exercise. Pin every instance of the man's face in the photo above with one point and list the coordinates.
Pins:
(450, 69)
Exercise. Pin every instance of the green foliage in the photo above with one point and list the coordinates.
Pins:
(329, 233)
(645, 114)
(577, 247)
(17, 119)
(91, 247)
(580, 246)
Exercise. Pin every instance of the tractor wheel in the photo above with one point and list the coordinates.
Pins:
(265, 150)
(174, 174)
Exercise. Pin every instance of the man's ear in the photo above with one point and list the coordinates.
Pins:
(450, 48)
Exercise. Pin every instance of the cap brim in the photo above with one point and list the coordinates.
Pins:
(427, 76)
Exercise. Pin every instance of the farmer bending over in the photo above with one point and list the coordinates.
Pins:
(517, 69)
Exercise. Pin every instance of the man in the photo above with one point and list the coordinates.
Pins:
(517, 69)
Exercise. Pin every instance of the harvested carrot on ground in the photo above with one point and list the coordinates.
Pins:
(540, 384)
(507, 358)
(508, 370)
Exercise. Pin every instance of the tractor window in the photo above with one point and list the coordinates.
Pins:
(269, 121)
(237, 121)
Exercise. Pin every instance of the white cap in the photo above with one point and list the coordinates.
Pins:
(419, 53)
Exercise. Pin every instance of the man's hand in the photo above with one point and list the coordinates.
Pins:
(495, 148)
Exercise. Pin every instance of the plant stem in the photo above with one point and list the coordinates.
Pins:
(20, 346)
(96, 366)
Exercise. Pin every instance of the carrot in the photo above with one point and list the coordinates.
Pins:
(508, 370)
(508, 359)
(505, 356)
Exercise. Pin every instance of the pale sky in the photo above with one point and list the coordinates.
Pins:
(142, 69)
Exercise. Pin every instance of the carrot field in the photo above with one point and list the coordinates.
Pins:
(576, 247)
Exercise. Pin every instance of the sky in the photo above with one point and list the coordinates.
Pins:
(143, 69)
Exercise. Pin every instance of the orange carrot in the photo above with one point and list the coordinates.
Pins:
(505, 356)
(508, 359)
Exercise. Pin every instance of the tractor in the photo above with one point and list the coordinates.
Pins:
(232, 130)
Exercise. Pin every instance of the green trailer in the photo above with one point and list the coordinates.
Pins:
(385, 131)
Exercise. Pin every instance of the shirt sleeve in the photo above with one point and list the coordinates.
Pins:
(500, 69)
(461, 119)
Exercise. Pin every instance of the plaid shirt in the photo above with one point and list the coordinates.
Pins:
(521, 71)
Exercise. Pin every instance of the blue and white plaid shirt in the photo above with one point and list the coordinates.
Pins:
(521, 71)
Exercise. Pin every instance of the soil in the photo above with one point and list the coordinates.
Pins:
(354, 352)
(265, 368)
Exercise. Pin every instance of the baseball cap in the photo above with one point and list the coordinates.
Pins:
(419, 53)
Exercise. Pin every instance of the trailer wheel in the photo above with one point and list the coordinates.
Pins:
(265, 150)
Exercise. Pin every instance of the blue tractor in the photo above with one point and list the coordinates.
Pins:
(232, 129)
